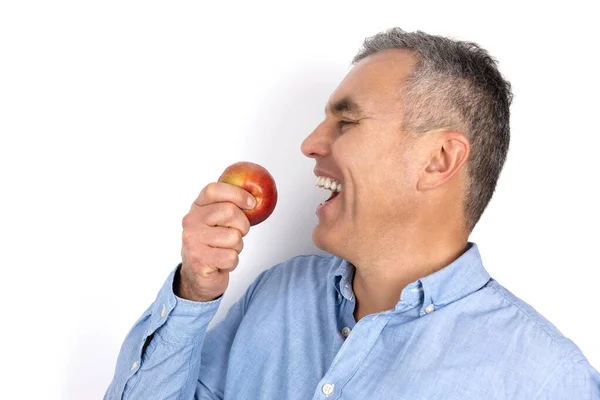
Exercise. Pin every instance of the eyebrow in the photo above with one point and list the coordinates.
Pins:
(346, 104)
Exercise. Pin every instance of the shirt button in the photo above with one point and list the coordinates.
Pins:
(163, 313)
(327, 389)
(346, 331)
(135, 365)
(429, 309)
(339, 298)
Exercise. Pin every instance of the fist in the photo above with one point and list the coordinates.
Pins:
(215, 225)
(212, 240)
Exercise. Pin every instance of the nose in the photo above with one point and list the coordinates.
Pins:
(318, 143)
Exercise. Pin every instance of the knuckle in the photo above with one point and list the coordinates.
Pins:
(235, 236)
(229, 258)
(198, 258)
(191, 257)
(210, 190)
(244, 226)
(186, 238)
(233, 259)
(186, 220)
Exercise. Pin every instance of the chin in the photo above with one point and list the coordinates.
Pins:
(323, 238)
(317, 238)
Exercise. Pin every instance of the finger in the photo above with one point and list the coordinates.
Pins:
(223, 260)
(225, 238)
(218, 192)
(205, 260)
(214, 237)
(227, 215)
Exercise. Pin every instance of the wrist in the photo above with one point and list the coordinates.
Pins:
(183, 289)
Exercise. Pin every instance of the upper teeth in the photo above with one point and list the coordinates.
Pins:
(329, 183)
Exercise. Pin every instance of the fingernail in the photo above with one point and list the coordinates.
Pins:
(251, 202)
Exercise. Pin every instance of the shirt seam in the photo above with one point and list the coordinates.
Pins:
(567, 370)
(543, 329)
(193, 356)
(568, 361)
(461, 294)
(136, 379)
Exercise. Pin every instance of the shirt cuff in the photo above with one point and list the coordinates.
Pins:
(179, 320)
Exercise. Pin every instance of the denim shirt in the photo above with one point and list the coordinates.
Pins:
(454, 334)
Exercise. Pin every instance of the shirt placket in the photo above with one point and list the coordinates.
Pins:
(353, 352)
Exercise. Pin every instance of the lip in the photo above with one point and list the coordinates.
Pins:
(327, 174)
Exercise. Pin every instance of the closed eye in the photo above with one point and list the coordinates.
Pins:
(343, 123)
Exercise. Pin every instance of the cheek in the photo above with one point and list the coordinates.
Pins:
(353, 151)
(391, 179)
(353, 158)
(380, 170)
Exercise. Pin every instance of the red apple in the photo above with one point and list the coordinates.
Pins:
(259, 182)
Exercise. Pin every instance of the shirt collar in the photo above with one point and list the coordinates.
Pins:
(462, 277)
(343, 276)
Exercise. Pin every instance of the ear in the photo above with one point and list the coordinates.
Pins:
(449, 152)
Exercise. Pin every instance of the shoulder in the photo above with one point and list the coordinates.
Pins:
(305, 265)
(515, 345)
(532, 346)
(533, 325)
(302, 272)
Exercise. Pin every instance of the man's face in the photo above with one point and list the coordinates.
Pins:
(360, 144)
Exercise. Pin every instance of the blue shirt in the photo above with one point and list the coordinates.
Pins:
(454, 334)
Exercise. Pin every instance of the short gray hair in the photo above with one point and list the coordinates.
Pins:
(455, 85)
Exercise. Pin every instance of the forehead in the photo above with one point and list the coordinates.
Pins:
(374, 83)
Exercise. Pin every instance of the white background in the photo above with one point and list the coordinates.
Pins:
(114, 114)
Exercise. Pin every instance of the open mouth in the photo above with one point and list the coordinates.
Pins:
(330, 184)
(333, 195)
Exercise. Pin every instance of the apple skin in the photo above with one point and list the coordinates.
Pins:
(259, 182)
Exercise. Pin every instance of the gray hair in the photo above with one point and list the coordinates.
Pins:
(455, 85)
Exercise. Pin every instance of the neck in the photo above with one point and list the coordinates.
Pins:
(396, 260)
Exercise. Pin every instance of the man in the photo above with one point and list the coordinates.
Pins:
(413, 141)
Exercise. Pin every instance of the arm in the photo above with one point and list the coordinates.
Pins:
(160, 357)
(176, 356)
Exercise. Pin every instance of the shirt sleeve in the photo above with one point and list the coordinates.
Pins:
(218, 342)
(578, 381)
(170, 365)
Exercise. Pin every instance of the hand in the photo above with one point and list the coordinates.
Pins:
(212, 240)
